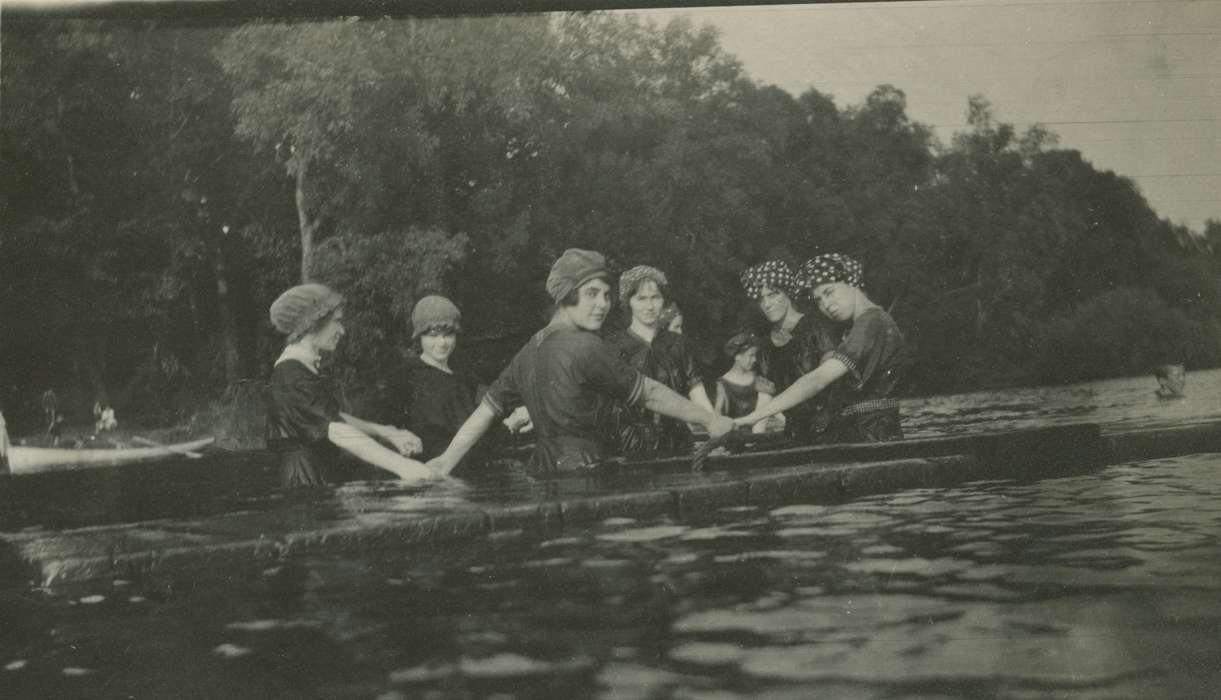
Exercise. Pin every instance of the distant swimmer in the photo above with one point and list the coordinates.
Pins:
(1171, 379)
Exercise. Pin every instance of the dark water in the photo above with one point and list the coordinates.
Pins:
(1106, 585)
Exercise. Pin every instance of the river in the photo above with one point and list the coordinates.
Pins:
(1103, 585)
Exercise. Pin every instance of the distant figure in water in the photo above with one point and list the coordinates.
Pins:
(104, 419)
(50, 411)
(1170, 379)
(4, 446)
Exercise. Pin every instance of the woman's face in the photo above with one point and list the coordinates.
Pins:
(836, 300)
(438, 344)
(593, 303)
(747, 359)
(676, 325)
(327, 338)
(774, 304)
(646, 303)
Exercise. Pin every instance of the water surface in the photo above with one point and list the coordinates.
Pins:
(1104, 585)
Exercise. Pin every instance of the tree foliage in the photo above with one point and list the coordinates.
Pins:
(163, 185)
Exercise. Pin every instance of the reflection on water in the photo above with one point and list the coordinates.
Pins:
(1098, 586)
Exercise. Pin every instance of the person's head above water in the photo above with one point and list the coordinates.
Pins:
(834, 281)
(1170, 378)
(743, 350)
(579, 284)
(436, 322)
(643, 291)
(773, 286)
(309, 310)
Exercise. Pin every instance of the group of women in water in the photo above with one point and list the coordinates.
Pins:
(638, 392)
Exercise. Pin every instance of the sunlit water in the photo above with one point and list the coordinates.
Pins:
(1106, 585)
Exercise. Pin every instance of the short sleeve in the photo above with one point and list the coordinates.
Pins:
(690, 374)
(860, 340)
(599, 366)
(504, 395)
(305, 405)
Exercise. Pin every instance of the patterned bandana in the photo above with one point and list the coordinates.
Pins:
(773, 273)
(832, 267)
(630, 281)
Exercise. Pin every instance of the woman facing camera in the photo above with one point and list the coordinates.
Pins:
(427, 394)
(866, 367)
(569, 380)
(304, 423)
(651, 348)
(795, 343)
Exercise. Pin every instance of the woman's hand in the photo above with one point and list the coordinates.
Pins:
(748, 419)
(441, 465)
(519, 421)
(405, 441)
(719, 426)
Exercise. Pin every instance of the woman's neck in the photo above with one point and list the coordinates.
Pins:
(790, 320)
(431, 361)
(737, 375)
(862, 305)
(304, 352)
(646, 333)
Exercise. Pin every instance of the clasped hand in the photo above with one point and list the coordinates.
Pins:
(405, 441)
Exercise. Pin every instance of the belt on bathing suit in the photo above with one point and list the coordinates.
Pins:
(869, 406)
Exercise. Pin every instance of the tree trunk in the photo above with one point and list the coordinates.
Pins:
(308, 226)
(224, 310)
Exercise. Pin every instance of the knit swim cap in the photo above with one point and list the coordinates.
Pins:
(434, 311)
(573, 269)
(630, 281)
(296, 311)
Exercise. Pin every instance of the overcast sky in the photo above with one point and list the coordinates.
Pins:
(1134, 85)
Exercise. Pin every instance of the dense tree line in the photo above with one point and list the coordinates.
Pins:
(161, 184)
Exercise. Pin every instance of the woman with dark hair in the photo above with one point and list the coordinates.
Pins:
(671, 318)
(741, 390)
(304, 423)
(427, 395)
(657, 353)
(794, 345)
(570, 380)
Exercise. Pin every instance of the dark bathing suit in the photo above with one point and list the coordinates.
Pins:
(876, 356)
(812, 337)
(303, 405)
(667, 360)
(570, 380)
(741, 399)
(431, 403)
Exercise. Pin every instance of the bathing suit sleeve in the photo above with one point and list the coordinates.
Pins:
(862, 345)
(503, 396)
(600, 367)
(303, 405)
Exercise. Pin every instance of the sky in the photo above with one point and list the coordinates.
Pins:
(1134, 85)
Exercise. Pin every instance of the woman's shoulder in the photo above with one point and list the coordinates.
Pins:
(291, 370)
